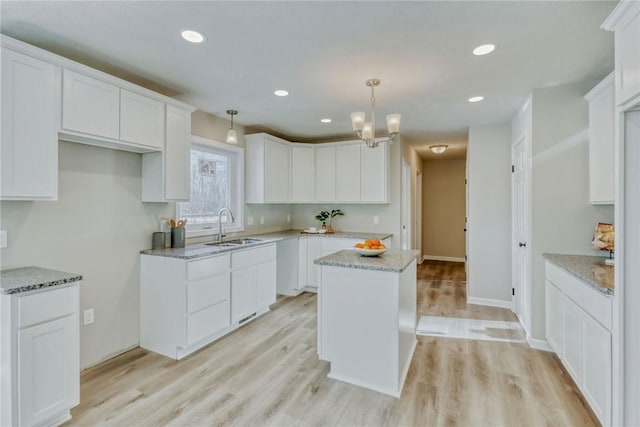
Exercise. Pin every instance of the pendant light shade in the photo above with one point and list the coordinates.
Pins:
(366, 131)
(232, 136)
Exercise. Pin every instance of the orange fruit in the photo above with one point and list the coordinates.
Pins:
(382, 246)
(359, 245)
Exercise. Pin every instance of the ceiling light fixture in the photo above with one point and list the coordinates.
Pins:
(281, 92)
(326, 120)
(476, 98)
(485, 49)
(232, 136)
(192, 36)
(367, 131)
(438, 149)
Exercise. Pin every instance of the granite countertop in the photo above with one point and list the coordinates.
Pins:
(201, 250)
(17, 280)
(590, 269)
(393, 260)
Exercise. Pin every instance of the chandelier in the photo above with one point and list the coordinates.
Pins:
(366, 131)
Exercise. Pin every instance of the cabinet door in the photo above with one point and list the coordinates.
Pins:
(90, 106)
(303, 262)
(141, 120)
(30, 120)
(627, 40)
(554, 315)
(348, 173)
(243, 293)
(597, 368)
(177, 154)
(314, 251)
(276, 171)
(601, 147)
(48, 369)
(302, 174)
(573, 339)
(373, 170)
(266, 284)
(325, 174)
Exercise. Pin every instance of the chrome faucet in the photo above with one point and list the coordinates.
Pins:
(220, 235)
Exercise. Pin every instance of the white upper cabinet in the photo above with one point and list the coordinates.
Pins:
(348, 173)
(601, 141)
(177, 154)
(625, 21)
(90, 106)
(373, 173)
(268, 169)
(30, 117)
(325, 171)
(303, 173)
(141, 120)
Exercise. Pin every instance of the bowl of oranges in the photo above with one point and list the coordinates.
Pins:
(370, 247)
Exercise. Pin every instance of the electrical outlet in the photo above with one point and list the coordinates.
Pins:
(3, 238)
(164, 226)
(288, 218)
(250, 220)
(88, 317)
(376, 219)
(261, 220)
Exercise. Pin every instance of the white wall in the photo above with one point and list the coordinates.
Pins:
(489, 214)
(562, 218)
(96, 229)
(360, 217)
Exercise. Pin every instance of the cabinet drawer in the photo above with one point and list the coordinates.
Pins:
(209, 291)
(253, 256)
(208, 321)
(200, 269)
(598, 305)
(47, 305)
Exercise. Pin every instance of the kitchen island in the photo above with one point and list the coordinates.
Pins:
(367, 317)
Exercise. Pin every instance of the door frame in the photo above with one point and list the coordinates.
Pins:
(405, 206)
(418, 215)
(525, 288)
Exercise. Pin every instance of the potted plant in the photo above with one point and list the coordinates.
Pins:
(326, 217)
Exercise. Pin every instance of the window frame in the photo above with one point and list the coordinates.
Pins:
(237, 188)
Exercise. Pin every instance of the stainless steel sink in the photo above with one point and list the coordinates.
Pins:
(235, 242)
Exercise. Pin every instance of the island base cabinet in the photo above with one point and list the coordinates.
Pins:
(48, 371)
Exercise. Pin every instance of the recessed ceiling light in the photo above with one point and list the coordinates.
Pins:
(192, 36)
(326, 120)
(484, 49)
(476, 98)
(281, 92)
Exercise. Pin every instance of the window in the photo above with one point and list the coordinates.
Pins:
(217, 181)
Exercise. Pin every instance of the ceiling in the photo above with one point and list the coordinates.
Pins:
(323, 52)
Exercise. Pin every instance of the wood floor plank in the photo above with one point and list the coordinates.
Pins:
(267, 373)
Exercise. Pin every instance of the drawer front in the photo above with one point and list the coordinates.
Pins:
(209, 291)
(202, 268)
(251, 257)
(47, 305)
(208, 321)
(595, 303)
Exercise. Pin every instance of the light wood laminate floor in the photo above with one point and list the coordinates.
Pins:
(268, 373)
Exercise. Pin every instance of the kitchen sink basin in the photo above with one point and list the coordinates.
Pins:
(235, 242)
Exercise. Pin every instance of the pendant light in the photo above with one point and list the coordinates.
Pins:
(366, 131)
(232, 136)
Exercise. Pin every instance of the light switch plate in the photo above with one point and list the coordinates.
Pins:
(250, 220)
(262, 220)
(3, 238)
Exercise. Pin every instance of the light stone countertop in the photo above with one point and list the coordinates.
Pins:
(590, 269)
(17, 280)
(393, 260)
(201, 250)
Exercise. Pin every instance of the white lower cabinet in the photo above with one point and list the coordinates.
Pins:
(253, 282)
(187, 304)
(578, 320)
(42, 329)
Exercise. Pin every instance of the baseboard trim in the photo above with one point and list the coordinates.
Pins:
(442, 258)
(489, 302)
(539, 344)
(109, 356)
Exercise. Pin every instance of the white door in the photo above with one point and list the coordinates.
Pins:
(406, 206)
(418, 215)
(520, 225)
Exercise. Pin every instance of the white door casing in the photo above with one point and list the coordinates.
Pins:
(406, 206)
(521, 227)
(418, 215)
